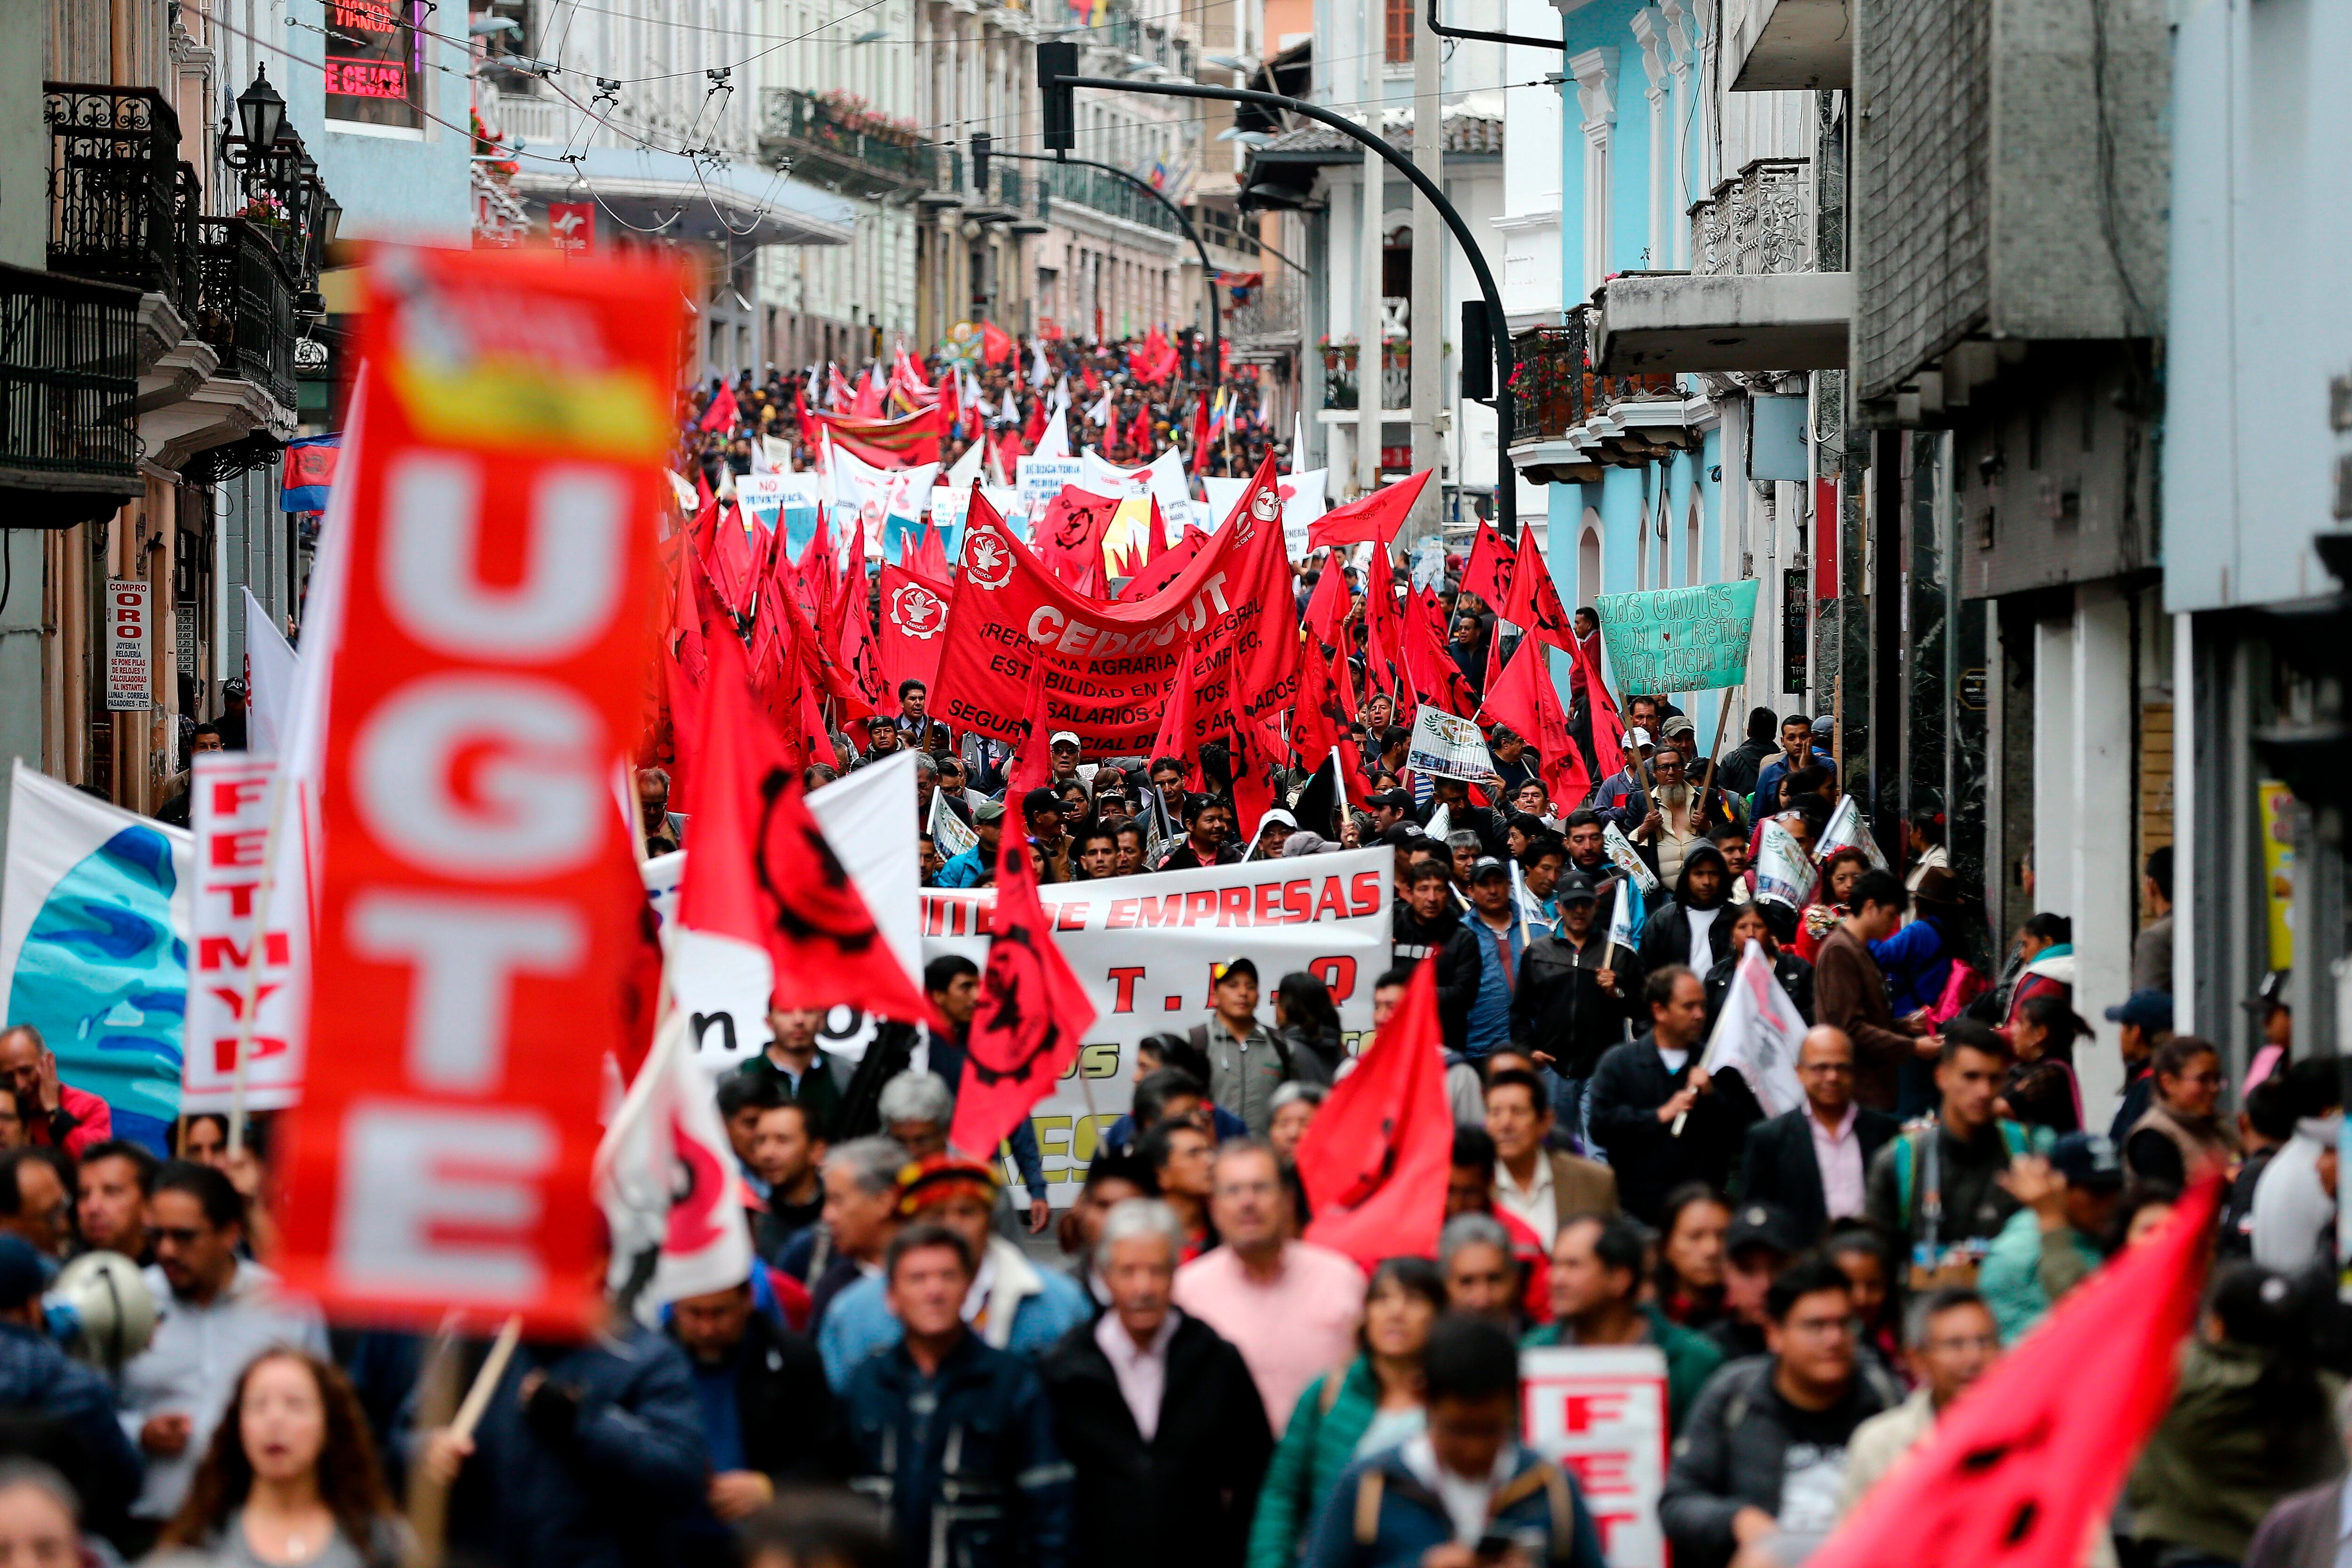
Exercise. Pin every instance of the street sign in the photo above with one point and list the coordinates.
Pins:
(128, 683)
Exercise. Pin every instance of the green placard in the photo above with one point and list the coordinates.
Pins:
(1679, 639)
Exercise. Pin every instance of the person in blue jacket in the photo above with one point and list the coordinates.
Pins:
(1408, 1506)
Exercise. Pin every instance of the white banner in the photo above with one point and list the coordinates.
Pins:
(1162, 477)
(1304, 501)
(94, 945)
(1846, 826)
(1038, 480)
(271, 668)
(229, 799)
(950, 836)
(1447, 746)
(1757, 1034)
(1601, 1414)
(1143, 947)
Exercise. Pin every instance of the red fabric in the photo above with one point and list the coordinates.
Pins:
(1526, 699)
(995, 348)
(793, 1299)
(1327, 705)
(1534, 603)
(860, 654)
(1527, 1251)
(914, 621)
(1489, 574)
(883, 443)
(765, 874)
(1376, 1157)
(1069, 538)
(1328, 606)
(1033, 429)
(865, 403)
(1429, 664)
(1201, 436)
(810, 435)
(1599, 707)
(2015, 1472)
(1164, 566)
(1374, 519)
(1383, 632)
(96, 1119)
(721, 415)
(1175, 736)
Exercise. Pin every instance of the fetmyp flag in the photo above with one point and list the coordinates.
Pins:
(309, 473)
(94, 945)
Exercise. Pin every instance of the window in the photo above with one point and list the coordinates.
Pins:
(1588, 558)
(375, 62)
(1400, 19)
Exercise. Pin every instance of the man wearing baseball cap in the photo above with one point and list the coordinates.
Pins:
(1501, 935)
(1062, 756)
(1575, 996)
(2052, 1244)
(1247, 1061)
(1014, 1305)
(1632, 774)
(2146, 1020)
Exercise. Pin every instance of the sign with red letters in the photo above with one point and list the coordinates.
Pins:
(1601, 1413)
(229, 808)
(476, 888)
(129, 684)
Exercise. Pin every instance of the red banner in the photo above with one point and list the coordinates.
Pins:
(1116, 664)
(477, 918)
(914, 627)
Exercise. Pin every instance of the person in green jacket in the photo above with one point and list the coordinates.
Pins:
(2050, 1245)
(1371, 1404)
(1596, 1276)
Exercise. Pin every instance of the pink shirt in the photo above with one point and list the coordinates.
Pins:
(1838, 1153)
(1291, 1328)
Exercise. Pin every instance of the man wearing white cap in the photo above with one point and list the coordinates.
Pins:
(1609, 795)
(1062, 752)
(1273, 830)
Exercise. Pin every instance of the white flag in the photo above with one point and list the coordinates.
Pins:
(1625, 918)
(1100, 413)
(270, 670)
(1056, 441)
(1626, 858)
(667, 1180)
(1038, 373)
(1759, 1032)
(949, 834)
(1846, 826)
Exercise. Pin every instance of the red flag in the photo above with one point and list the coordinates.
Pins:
(1033, 1013)
(1383, 631)
(2015, 1473)
(914, 616)
(1175, 736)
(1489, 574)
(865, 403)
(1328, 606)
(1201, 436)
(1375, 1157)
(1033, 429)
(1534, 603)
(931, 557)
(1163, 568)
(882, 443)
(1428, 663)
(995, 348)
(1254, 750)
(859, 653)
(1327, 705)
(765, 873)
(1069, 538)
(1524, 699)
(1372, 518)
(722, 414)
(1601, 709)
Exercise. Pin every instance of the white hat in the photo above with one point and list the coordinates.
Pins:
(1637, 737)
(1058, 736)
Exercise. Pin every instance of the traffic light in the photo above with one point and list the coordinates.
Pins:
(2310, 751)
(1057, 62)
(982, 144)
(1477, 361)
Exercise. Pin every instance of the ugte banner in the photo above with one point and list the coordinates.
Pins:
(232, 972)
(1679, 639)
(1114, 667)
(1600, 1413)
(1446, 745)
(1144, 948)
(477, 914)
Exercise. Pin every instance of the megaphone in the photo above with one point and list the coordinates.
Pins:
(100, 1309)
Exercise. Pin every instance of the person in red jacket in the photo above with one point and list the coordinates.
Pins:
(54, 1114)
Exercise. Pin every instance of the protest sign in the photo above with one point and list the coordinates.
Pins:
(1757, 1034)
(270, 669)
(1163, 476)
(474, 912)
(1446, 746)
(1037, 480)
(1114, 667)
(950, 834)
(1600, 1413)
(1303, 501)
(1783, 872)
(1847, 826)
(1679, 639)
(229, 806)
(94, 945)
(1626, 858)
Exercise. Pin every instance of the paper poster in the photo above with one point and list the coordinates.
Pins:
(1628, 859)
(1304, 501)
(1600, 1414)
(1447, 746)
(129, 686)
(1783, 872)
(1678, 639)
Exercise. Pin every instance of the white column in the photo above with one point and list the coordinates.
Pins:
(1367, 262)
(2053, 759)
(1679, 54)
(2187, 723)
(1427, 319)
(1649, 31)
(1595, 70)
(2102, 778)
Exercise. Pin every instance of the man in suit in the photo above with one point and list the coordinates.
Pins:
(1539, 1186)
(1811, 1160)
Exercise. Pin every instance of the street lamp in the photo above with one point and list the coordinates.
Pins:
(261, 110)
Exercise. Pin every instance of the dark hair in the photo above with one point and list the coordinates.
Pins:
(2047, 927)
(1854, 1235)
(2144, 1193)
(351, 1482)
(946, 970)
(1176, 1051)
(739, 1092)
(1621, 1243)
(2267, 1311)
(1308, 1001)
(1542, 844)
(1152, 1095)
(1792, 719)
(1399, 976)
(1582, 817)
(1414, 1276)
(2171, 1058)
(1935, 1304)
(1761, 723)
(1658, 991)
(1469, 1358)
(2159, 869)
(12, 1192)
(2268, 1110)
(1087, 835)
(181, 1129)
(1428, 871)
(2052, 1013)
(1152, 1149)
(1840, 856)
(1116, 1168)
(1808, 1275)
(917, 1238)
(2315, 1086)
(213, 1192)
(1972, 1035)
(1474, 1148)
(809, 1527)
(910, 684)
(1514, 1078)
(1160, 763)
(1881, 888)
(142, 1161)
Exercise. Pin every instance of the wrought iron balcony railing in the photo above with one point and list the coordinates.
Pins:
(834, 144)
(1558, 387)
(1761, 221)
(69, 374)
(1107, 194)
(113, 154)
(242, 303)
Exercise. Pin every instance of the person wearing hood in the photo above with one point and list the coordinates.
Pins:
(1694, 927)
(2045, 949)
(1761, 924)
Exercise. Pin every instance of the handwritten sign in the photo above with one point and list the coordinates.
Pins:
(1679, 639)
(1600, 1413)
(1447, 746)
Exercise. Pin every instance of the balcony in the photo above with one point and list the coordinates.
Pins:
(69, 372)
(1107, 194)
(1789, 45)
(1751, 301)
(1270, 323)
(113, 166)
(844, 148)
(1573, 419)
(240, 308)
